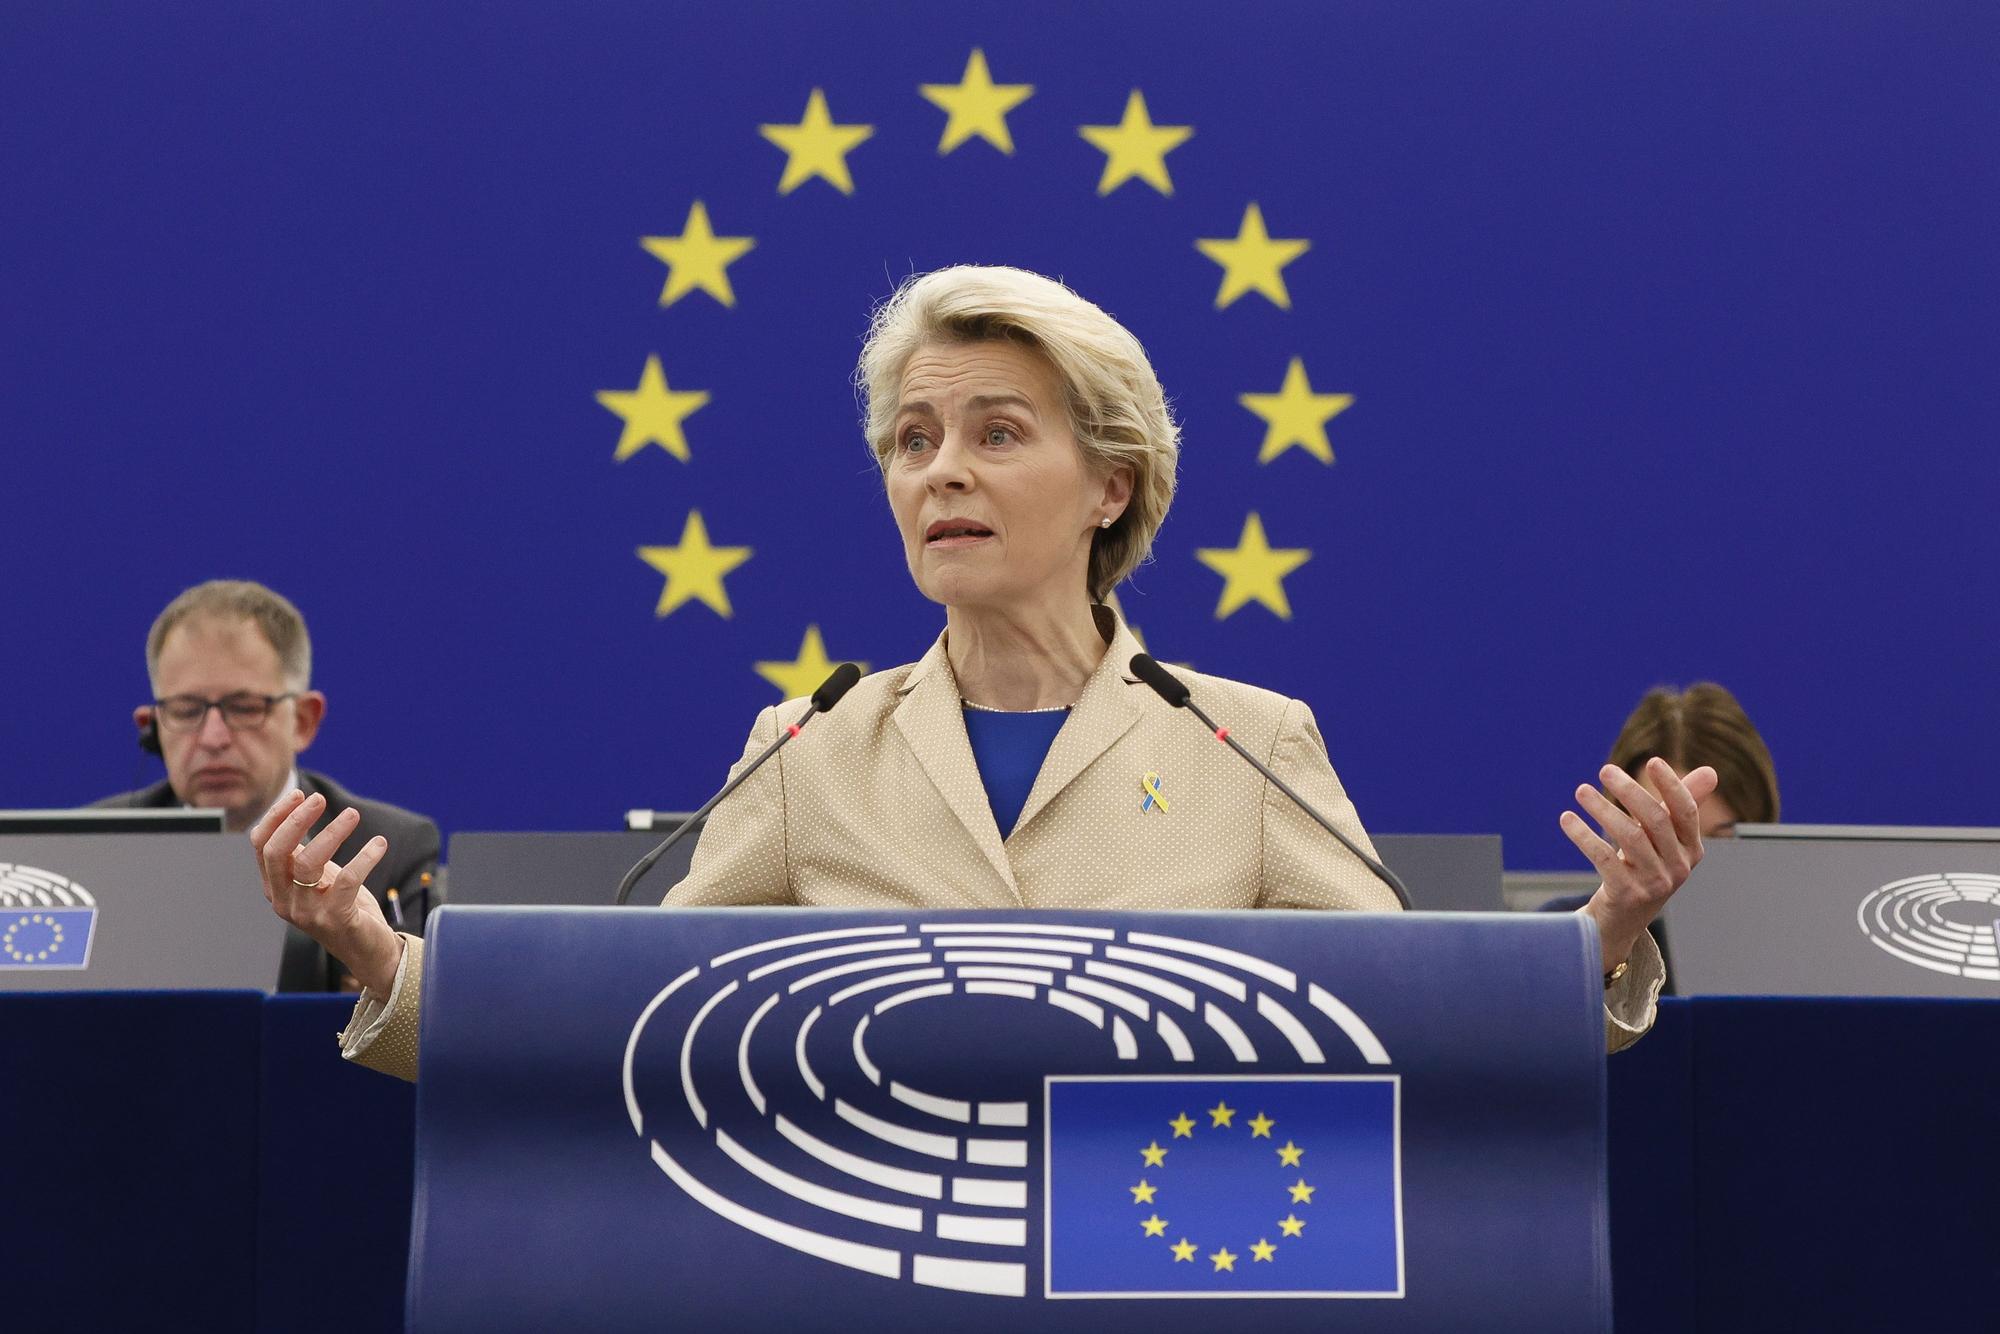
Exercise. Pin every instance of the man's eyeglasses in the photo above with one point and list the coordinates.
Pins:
(186, 713)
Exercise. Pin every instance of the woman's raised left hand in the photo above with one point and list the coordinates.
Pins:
(1651, 842)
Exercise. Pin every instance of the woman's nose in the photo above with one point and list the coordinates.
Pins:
(951, 470)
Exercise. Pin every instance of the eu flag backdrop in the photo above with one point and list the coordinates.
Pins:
(1527, 357)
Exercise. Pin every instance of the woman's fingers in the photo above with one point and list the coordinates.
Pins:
(352, 876)
(310, 862)
(1601, 854)
(260, 833)
(1679, 801)
(1644, 807)
(276, 857)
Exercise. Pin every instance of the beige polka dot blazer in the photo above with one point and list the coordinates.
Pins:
(878, 804)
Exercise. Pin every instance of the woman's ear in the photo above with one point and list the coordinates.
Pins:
(1117, 491)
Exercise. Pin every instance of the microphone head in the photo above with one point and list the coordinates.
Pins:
(839, 683)
(1164, 683)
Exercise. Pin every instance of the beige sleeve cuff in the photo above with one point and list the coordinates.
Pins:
(1631, 1005)
(382, 1034)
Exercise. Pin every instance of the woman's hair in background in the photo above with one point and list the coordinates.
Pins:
(1703, 725)
(1117, 409)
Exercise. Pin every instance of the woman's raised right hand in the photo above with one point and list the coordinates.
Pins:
(324, 899)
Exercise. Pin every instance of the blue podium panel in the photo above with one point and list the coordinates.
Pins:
(1849, 1164)
(1650, 1091)
(809, 1120)
(335, 1154)
(128, 1124)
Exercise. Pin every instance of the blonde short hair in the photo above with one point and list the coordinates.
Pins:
(240, 600)
(1117, 410)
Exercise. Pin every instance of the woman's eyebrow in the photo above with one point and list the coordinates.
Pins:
(982, 401)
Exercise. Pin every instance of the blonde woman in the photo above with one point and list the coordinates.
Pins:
(1029, 459)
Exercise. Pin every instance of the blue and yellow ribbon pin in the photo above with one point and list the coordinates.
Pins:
(1154, 797)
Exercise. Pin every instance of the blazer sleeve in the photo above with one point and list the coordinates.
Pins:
(1302, 865)
(382, 1034)
(743, 858)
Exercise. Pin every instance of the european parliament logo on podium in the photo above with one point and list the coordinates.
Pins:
(1211, 1124)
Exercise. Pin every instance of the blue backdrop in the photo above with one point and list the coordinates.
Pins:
(1669, 336)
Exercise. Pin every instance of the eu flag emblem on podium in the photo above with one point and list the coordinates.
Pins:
(1280, 1186)
(46, 937)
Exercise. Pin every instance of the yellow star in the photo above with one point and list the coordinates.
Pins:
(653, 413)
(1224, 1259)
(1292, 1224)
(1155, 1226)
(1184, 1249)
(802, 675)
(694, 569)
(1263, 1250)
(1154, 1155)
(1143, 1193)
(1135, 147)
(976, 105)
(1183, 1126)
(1302, 1193)
(1252, 260)
(1289, 1155)
(1260, 1126)
(697, 258)
(1253, 570)
(1221, 1114)
(1295, 415)
(816, 147)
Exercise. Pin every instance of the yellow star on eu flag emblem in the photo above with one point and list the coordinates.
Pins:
(1184, 1249)
(1253, 571)
(1183, 1126)
(1252, 262)
(694, 569)
(1295, 415)
(976, 105)
(816, 147)
(697, 260)
(653, 413)
(802, 675)
(1135, 147)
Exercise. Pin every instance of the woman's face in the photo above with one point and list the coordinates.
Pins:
(990, 492)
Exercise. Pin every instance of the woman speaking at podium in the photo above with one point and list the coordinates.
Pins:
(1029, 459)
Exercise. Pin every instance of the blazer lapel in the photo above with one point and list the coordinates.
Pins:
(932, 721)
(1107, 710)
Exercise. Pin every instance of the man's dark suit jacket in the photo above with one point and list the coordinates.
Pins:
(413, 850)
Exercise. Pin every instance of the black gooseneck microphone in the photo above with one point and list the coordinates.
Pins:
(1175, 692)
(830, 690)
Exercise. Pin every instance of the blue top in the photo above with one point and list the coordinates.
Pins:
(1009, 749)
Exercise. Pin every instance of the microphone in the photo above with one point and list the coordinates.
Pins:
(1175, 692)
(830, 690)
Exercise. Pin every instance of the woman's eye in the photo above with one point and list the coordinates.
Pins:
(915, 441)
(998, 435)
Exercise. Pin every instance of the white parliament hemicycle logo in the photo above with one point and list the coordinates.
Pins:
(1943, 921)
(35, 905)
(1136, 988)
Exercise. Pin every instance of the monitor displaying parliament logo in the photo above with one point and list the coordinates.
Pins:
(1945, 921)
(1129, 1114)
(46, 920)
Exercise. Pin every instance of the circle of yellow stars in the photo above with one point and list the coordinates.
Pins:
(32, 956)
(1262, 1251)
(816, 147)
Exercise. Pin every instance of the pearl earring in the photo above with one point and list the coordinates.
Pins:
(1104, 523)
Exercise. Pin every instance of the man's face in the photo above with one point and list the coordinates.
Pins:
(242, 770)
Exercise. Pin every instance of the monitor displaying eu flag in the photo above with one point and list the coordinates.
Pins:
(1248, 1187)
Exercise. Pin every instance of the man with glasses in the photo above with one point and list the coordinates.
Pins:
(232, 707)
